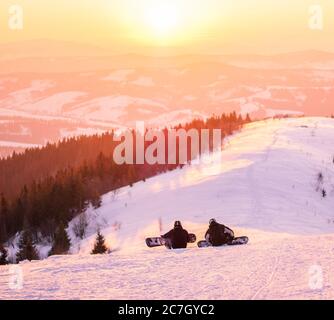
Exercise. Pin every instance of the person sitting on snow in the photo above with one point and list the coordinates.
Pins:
(218, 234)
(177, 238)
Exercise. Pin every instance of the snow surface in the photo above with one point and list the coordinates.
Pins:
(144, 82)
(111, 108)
(119, 75)
(264, 184)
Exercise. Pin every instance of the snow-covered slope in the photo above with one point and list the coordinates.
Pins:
(266, 184)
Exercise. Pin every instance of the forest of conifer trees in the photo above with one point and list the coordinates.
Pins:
(43, 189)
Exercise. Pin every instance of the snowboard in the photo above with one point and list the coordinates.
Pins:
(235, 242)
(160, 241)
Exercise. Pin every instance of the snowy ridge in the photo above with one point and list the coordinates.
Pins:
(264, 184)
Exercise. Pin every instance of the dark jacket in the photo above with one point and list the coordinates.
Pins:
(218, 234)
(178, 238)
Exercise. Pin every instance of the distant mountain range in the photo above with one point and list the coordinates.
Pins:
(45, 98)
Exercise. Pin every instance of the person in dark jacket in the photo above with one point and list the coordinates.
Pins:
(218, 234)
(177, 238)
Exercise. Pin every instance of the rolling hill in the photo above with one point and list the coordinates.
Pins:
(274, 181)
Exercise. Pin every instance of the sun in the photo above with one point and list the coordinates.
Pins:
(162, 19)
(164, 22)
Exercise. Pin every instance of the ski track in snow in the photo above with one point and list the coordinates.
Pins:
(270, 278)
(265, 187)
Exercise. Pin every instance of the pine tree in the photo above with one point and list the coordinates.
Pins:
(27, 249)
(3, 219)
(100, 246)
(100, 165)
(96, 200)
(3, 256)
(131, 175)
(324, 193)
(79, 228)
(61, 243)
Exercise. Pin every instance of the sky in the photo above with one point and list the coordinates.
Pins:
(212, 26)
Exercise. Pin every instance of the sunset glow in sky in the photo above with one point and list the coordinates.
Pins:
(216, 25)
